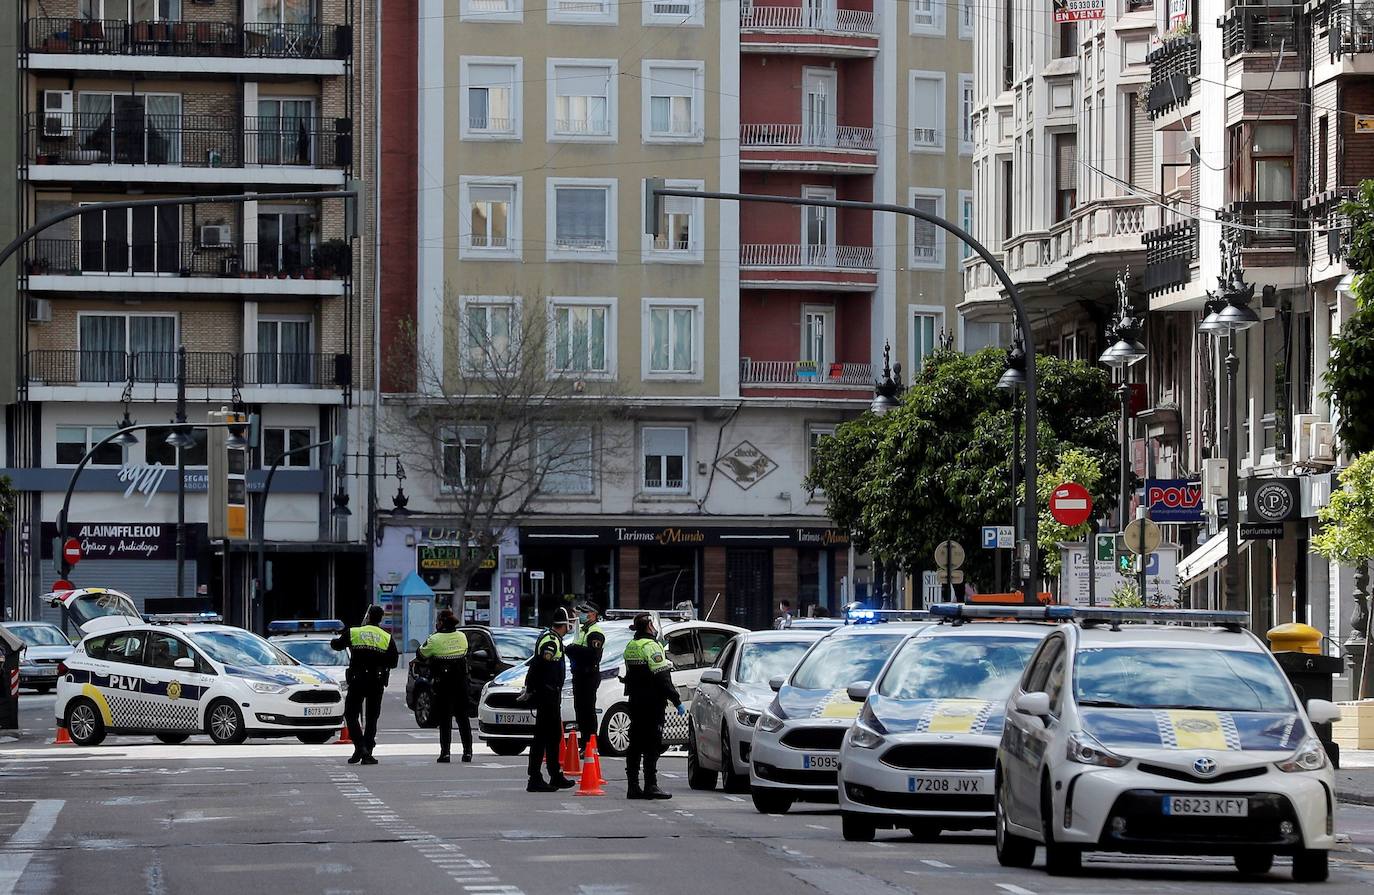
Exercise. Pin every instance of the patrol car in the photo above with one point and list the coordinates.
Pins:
(308, 641)
(921, 754)
(175, 680)
(506, 724)
(795, 753)
(1169, 732)
(44, 647)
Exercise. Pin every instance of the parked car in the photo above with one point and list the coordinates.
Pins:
(44, 647)
(491, 651)
(310, 642)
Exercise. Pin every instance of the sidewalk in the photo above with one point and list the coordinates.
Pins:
(1355, 777)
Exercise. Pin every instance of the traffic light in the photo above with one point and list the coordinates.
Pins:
(1127, 563)
(227, 469)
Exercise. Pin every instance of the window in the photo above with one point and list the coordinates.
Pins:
(490, 332)
(118, 347)
(286, 130)
(583, 336)
(491, 97)
(966, 19)
(156, 449)
(927, 239)
(679, 226)
(277, 440)
(126, 648)
(582, 100)
(673, 12)
(492, 10)
(966, 114)
(564, 458)
(1066, 40)
(928, 17)
(286, 237)
(582, 12)
(672, 339)
(464, 453)
(814, 436)
(74, 441)
(129, 128)
(927, 111)
(286, 352)
(1065, 175)
(665, 458)
(131, 240)
(966, 207)
(581, 217)
(712, 644)
(925, 333)
(163, 650)
(1323, 151)
(1273, 163)
(818, 337)
(681, 650)
(672, 100)
(489, 218)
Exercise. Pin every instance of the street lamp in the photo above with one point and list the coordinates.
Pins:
(887, 390)
(1126, 352)
(1012, 380)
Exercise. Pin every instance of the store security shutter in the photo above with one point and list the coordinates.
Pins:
(140, 579)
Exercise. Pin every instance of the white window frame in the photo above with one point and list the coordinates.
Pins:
(935, 28)
(471, 365)
(651, 253)
(609, 303)
(698, 308)
(539, 461)
(514, 247)
(459, 436)
(686, 460)
(553, 252)
(698, 129)
(292, 461)
(966, 15)
(968, 218)
(517, 98)
(696, 19)
(176, 324)
(941, 237)
(608, 12)
(471, 10)
(965, 121)
(912, 311)
(813, 432)
(612, 67)
(90, 441)
(941, 118)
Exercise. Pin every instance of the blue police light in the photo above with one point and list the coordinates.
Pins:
(305, 626)
(863, 617)
(184, 618)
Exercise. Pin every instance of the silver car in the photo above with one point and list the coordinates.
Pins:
(730, 698)
(45, 648)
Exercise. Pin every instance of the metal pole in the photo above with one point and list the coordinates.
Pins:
(1300, 573)
(181, 474)
(1092, 562)
(370, 558)
(260, 547)
(1015, 575)
(1124, 493)
(949, 567)
(1233, 599)
(1145, 513)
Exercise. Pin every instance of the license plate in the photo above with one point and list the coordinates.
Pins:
(318, 711)
(955, 785)
(514, 718)
(1193, 806)
(821, 762)
(45, 672)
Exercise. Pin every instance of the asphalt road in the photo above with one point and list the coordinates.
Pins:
(275, 816)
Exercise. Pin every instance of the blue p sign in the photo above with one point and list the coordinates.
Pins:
(989, 537)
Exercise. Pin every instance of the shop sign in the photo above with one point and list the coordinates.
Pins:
(745, 465)
(672, 536)
(1174, 500)
(822, 537)
(666, 537)
(1079, 10)
(1273, 500)
(1178, 13)
(510, 599)
(447, 557)
(125, 540)
(147, 479)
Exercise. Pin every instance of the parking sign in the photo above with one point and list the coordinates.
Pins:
(989, 537)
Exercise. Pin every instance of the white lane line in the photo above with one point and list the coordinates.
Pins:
(1014, 890)
(931, 862)
(819, 827)
(33, 832)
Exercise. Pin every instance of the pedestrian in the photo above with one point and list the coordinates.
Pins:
(784, 618)
(447, 652)
(544, 692)
(649, 688)
(372, 655)
(584, 654)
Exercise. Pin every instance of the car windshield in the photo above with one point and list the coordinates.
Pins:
(313, 652)
(514, 646)
(240, 648)
(840, 661)
(616, 641)
(762, 661)
(40, 635)
(1180, 678)
(957, 668)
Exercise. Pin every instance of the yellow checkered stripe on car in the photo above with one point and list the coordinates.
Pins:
(1197, 729)
(836, 704)
(955, 716)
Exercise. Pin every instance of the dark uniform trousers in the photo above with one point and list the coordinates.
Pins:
(548, 731)
(364, 698)
(584, 706)
(451, 704)
(646, 738)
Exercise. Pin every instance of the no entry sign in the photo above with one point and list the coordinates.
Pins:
(71, 551)
(1071, 504)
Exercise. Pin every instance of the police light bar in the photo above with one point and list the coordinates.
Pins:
(305, 626)
(185, 618)
(967, 612)
(1233, 619)
(861, 616)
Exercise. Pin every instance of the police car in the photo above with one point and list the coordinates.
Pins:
(506, 724)
(795, 754)
(172, 680)
(921, 754)
(308, 642)
(1169, 732)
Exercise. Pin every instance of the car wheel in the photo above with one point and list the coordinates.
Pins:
(856, 828)
(730, 778)
(769, 802)
(316, 739)
(615, 731)
(697, 776)
(224, 723)
(424, 709)
(84, 723)
(173, 739)
(1060, 860)
(1309, 866)
(1254, 863)
(1012, 850)
(506, 747)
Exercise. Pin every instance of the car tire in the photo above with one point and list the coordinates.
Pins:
(857, 828)
(84, 723)
(1012, 850)
(1310, 865)
(506, 747)
(614, 739)
(424, 709)
(224, 723)
(731, 780)
(697, 776)
(1255, 863)
(316, 739)
(173, 739)
(1060, 860)
(769, 802)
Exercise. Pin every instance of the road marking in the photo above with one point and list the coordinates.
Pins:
(931, 862)
(32, 833)
(819, 827)
(637, 856)
(1014, 890)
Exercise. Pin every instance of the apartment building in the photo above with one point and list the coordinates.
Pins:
(734, 340)
(264, 302)
(1132, 146)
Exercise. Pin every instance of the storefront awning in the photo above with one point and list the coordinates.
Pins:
(1205, 558)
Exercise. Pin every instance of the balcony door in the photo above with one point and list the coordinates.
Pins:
(285, 351)
(818, 338)
(131, 10)
(818, 14)
(819, 117)
(818, 229)
(286, 236)
(286, 132)
(131, 240)
(279, 12)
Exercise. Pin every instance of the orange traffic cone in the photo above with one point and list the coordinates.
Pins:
(63, 738)
(571, 767)
(344, 738)
(592, 763)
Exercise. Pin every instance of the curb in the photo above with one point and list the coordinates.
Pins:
(1356, 798)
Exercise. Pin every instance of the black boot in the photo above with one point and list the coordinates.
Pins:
(562, 782)
(632, 790)
(355, 757)
(537, 784)
(467, 757)
(651, 791)
(443, 758)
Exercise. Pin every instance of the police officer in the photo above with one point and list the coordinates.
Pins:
(649, 687)
(447, 652)
(372, 655)
(584, 654)
(544, 692)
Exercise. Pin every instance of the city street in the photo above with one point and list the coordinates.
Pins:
(275, 816)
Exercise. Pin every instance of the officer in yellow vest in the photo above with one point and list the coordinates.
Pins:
(544, 693)
(447, 652)
(584, 654)
(372, 655)
(649, 688)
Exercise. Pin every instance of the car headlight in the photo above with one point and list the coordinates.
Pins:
(1084, 749)
(867, 732)
(264, 687)
(747, 717)
(1310, 756)
(772, 718)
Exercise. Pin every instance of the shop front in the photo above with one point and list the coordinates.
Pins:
(436, 553)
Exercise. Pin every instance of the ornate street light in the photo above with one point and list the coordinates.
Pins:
(887, 390)
(1126, 352)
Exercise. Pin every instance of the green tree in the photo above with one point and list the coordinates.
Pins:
(842, 465)
(1350, 371)
(1076, 466)
(6, 502)
(1347, 537)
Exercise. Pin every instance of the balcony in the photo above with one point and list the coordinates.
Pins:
(1173, 69)
(807, 30)
(1260, 29)
(1273, 226)
(55, 43)
(204, 369)
(793, 266)
(1170, 252)
(804, 373)
(1331, 231)
(805, 147)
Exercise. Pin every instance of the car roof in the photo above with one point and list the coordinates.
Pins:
(881, 628)
(783, 635)
(1028, 630)
(1156, 636)
(28, 624)
(172, 628)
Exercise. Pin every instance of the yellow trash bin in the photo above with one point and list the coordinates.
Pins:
(1295, 638)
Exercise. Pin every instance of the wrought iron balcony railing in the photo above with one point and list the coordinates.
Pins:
(253, 40)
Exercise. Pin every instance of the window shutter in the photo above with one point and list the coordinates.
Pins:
(1142, 153)
(665, 442)
(672, 81)
(1066, 164)
(490, 75)
(582, 80)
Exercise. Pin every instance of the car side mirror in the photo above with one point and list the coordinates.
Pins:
(481, 654)
(713, 676)
(859, 692)
(775, 683)
(1037, 704)
(1321, 711)
(186, 663)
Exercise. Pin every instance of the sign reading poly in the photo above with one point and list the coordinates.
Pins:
(1079, 10)
(1174, 500)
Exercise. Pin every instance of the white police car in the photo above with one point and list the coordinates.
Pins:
(175, 680)
(308, 642)
(1131, 732)
(921, 754)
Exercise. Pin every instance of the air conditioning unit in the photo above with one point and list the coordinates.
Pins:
(40, 310)
(1214, 477)
(57, 113)
(214, 235)
(1321, 443)
(1302, 432)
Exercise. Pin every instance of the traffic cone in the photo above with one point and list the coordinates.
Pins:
(592, 763)
(63, 738)
(571, 767)
(344, 738)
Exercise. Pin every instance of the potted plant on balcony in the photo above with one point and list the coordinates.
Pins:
(333, 258)
(806, 369)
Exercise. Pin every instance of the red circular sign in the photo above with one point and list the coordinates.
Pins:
(1071, 504)
(62, 584)
(71, 551)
